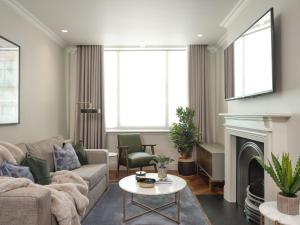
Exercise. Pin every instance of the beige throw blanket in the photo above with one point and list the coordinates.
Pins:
(68, 195)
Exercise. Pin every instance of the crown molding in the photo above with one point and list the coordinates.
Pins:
(20, 9)
(71, 50)
(222, 41)
(234, 12)
(212, 49)
(231, 16)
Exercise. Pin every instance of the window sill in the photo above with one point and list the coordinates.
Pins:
(137, 131)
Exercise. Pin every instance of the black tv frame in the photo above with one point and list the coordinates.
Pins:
(273, 59)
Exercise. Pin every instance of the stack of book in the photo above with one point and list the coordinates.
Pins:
(164, 181)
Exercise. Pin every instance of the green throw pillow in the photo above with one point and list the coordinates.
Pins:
(39, 169)
(79, 149)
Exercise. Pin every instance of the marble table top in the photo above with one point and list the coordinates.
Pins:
(270, 211)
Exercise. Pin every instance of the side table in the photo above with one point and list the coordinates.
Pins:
(113, 155)
(269, 210)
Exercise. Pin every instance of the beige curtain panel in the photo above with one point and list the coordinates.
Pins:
(91, 127)
(229, 71)
(198, 88)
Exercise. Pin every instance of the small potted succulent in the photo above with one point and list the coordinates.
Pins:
(287, 180)
(162, 161)
(184, 135)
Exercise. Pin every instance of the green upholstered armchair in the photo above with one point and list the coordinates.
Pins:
(132, 153)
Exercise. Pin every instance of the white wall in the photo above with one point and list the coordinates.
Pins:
(287, 66)
(42, 81)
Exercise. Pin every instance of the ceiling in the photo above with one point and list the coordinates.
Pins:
(133, 22)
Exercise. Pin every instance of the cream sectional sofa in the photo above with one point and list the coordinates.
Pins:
(31, 206)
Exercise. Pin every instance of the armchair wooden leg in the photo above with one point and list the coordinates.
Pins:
(118, 170)
(141, 168)
(127, 170)
(155, 168)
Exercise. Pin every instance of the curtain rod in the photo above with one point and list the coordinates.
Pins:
(161, 48)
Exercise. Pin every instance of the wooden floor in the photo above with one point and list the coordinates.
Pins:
(199, 184)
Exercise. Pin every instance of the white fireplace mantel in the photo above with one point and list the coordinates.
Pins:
(269, 129)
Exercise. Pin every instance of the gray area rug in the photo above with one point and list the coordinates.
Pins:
(109, 209)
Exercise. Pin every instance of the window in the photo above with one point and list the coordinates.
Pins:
(9, 82)
(143, 88)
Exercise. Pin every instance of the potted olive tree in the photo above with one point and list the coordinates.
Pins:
(287, 180)
(162, 161)
(184, 136)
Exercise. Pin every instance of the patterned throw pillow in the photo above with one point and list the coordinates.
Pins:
(11, 170)
(65, 158)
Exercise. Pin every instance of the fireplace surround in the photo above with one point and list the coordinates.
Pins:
(268, 129)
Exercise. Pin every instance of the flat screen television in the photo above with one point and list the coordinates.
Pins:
(249, 61)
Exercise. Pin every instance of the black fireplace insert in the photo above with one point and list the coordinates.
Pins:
(250, 177)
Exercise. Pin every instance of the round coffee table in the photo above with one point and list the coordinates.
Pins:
(130, 185)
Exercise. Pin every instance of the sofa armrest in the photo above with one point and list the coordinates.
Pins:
(26, 206)
(95, 156)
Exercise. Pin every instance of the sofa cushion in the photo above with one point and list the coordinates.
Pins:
(139, 159)
(44, 149)
(12, 170)
(92, 173)
(39, 169)
(17, 153)
(65, 158)
(5, 155)
(23, 147)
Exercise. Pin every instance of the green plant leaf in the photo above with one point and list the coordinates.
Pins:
(287, 172)
(295, 187)
(282, 173)
(184, 134)
(269, 169)
(161, 160)
(278, 168)
(297, 169)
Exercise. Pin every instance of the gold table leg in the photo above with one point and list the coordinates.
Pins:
(152, 210)
(262, 222)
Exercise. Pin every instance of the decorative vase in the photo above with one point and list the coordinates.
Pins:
(162, 173)
(288, 205)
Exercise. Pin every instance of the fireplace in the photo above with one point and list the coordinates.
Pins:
(250, 177)
(268, 132)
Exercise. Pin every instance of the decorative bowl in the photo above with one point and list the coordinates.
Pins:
(146, 182)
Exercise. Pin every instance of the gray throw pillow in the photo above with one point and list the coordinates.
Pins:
(65, 158)
(11, 170)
